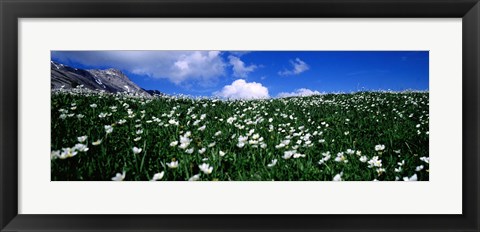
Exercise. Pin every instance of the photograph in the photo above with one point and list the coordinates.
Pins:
(230, 115)
(276, 115)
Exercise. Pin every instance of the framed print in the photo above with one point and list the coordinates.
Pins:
(226, 115)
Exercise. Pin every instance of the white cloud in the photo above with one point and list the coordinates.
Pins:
(298, 67)
(240, 89)
(203, 67)
(299, 92)
(239, 68)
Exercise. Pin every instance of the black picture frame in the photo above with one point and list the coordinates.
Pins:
(12, 10)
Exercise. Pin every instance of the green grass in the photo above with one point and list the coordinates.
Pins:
(359, 122)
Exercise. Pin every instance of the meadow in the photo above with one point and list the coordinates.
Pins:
(364, 136)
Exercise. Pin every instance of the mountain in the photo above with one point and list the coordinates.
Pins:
(154, 92)
(111, 80)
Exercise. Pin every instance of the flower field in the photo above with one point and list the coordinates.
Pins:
(362, 136)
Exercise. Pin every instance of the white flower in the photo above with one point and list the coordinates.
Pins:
(380, 171)
(242, 138)
(281, 145)
(54, 154)
(284, 143)
(230, 120)
(425, 159)
(184, 145)
(82, 139)
(346, 132)
(255, 136)
(108, 129)
(379, 147)
(397, 151)
(412, 178)
(363, 159)
(119, 177)
(288, 154)
(93, 105)
(211, 144)
(326, 157)
(158, 176)
(102, 115)
(273, 163)
(195, 177)
(221, 153)
(173, 144)
(240, 144)
(202, 128)
(81, 147)
(341, 158)
(68, 153)
(350, 152)
(96, 143)
(205, 168)
(173, 164)
(338, 177)
(139, 132)
(196, 122)
(374, 162)
(137, 139)
(184, 141)
(190, 151)
(399, 169)
(218, 133)
(326, 154)
(173, 122)
(122, 121)
(201, 151)
(136, 150)
(298, 155)
(419, 168)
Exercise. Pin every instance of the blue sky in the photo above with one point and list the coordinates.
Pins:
(259, 74)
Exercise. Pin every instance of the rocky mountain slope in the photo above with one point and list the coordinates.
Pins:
(111, 80)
